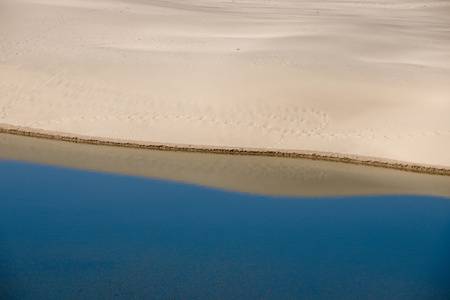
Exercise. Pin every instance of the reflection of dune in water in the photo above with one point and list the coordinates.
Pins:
(250, 174)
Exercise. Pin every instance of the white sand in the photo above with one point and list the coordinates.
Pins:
(368, 78)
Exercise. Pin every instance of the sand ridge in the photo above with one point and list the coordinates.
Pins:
(365, 79)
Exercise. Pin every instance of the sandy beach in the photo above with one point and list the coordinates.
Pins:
(355, 79)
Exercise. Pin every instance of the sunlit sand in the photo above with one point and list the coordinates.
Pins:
(355, 78)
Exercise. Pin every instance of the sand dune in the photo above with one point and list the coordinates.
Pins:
(358, 78)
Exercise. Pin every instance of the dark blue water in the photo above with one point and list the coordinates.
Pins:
(76, 234)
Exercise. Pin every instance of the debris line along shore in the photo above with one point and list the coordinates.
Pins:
(314, 155)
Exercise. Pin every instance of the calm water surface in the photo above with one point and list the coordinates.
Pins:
(68, 233)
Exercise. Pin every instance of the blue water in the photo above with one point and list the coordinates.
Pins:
(68, 234)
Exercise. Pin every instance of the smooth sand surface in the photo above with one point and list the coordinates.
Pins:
(249, 174)
(369, 78)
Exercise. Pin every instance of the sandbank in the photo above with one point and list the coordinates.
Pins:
(360, 82)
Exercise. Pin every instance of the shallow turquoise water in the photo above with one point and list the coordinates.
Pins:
(75, 234)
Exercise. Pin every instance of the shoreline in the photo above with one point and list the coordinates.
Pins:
(253, 174)
(312, 155)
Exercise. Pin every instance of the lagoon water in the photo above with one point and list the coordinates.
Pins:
(67, 233)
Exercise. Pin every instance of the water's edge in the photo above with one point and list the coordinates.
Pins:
(278, 176)
(315, 155)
